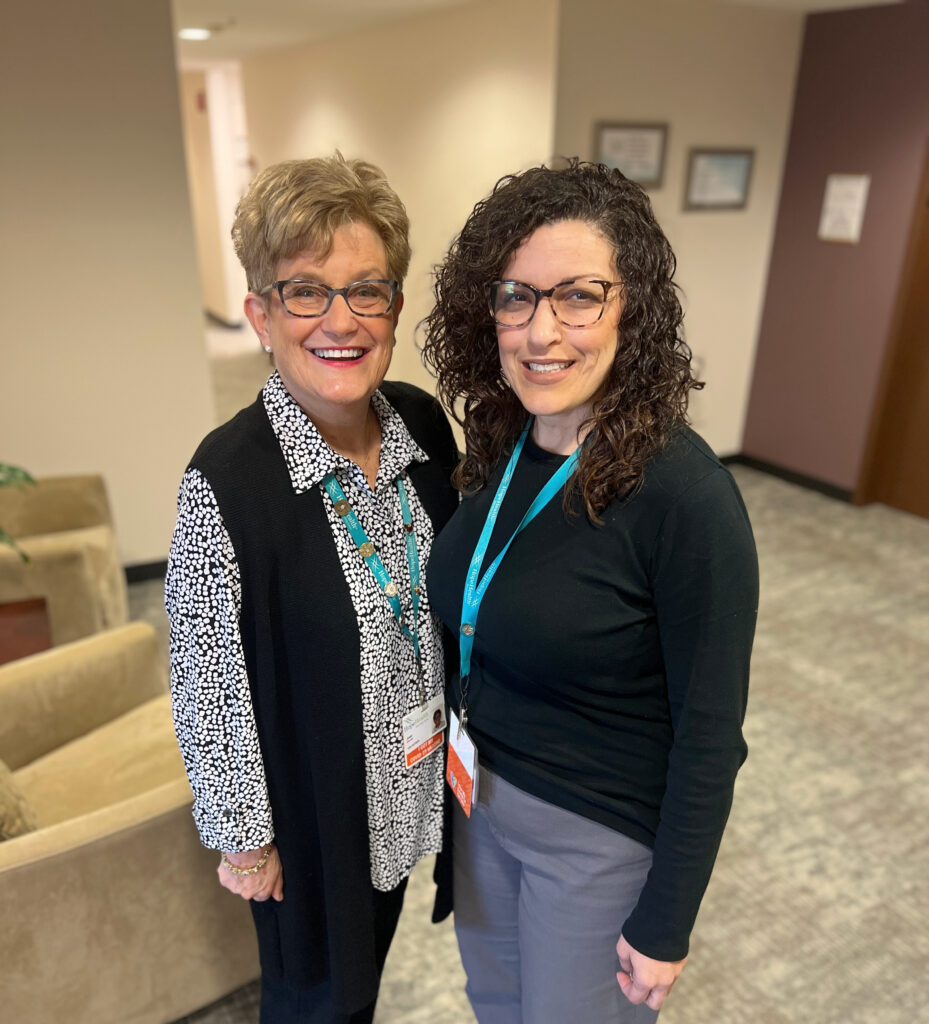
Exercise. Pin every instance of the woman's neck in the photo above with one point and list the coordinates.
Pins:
(356, 434)
(560, 434)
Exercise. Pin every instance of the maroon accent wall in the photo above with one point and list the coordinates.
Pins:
(861, 107)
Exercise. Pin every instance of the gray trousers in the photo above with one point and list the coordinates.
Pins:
(541, 895)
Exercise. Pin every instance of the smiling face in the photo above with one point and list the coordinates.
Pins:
(557, 372)
(330, 364)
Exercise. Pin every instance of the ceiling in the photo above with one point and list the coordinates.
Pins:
(247, 26)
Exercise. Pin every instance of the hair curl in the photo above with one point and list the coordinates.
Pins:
(646, 391)
(298, 205)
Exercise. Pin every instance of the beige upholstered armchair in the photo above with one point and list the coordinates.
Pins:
(64, 525)
(111, 910)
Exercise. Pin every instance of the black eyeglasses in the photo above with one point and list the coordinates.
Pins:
(575, 303)
(311, 298)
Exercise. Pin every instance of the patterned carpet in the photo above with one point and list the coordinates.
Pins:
(818, 910)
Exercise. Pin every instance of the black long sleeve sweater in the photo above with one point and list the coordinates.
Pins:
(610, 667)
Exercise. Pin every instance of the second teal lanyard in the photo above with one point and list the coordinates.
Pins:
(475, 584)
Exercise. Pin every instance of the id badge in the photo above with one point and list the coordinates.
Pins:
(422, 730)
(461, 772)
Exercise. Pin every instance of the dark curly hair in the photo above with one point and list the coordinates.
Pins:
(646, 391)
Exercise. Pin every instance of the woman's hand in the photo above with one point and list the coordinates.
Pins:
(267, 882)
(644, 980)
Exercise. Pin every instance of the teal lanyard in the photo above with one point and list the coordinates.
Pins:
(475, 584)
(373, 560)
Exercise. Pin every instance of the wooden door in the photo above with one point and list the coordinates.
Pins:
(896, 469)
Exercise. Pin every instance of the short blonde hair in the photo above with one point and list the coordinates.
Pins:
(299, 204)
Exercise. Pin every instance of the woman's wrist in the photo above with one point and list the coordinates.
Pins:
(248, 862)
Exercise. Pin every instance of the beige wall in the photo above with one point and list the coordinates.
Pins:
(95, 195)
(445, 103)
(218, 173)
(718, 76)
(200, 179)
(103, 365)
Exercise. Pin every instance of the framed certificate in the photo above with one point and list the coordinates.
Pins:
(718, 179)
(635, 149)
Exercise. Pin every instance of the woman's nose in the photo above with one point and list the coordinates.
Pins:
(544, 327)
(339, 318)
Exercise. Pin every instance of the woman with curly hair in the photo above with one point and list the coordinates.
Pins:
(605, 637)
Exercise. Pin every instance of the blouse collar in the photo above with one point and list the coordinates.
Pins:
(309, 458)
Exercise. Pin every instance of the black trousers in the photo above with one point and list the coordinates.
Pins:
(282, 1004)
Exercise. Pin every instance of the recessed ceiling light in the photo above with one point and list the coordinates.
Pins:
(194, 33)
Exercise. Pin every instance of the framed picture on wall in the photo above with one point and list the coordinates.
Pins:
(718, 179)
(635, 149)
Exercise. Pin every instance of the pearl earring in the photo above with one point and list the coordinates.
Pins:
(267, 348)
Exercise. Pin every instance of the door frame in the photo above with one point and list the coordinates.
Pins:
(866, 489)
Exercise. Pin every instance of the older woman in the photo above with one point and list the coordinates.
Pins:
(307, 663)
(602, 574)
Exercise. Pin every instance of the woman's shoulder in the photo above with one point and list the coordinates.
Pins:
(422, 414)
(686, 449)
(686, 465)
(227, 442)
(408, 398)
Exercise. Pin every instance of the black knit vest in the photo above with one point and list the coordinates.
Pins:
(301, 646)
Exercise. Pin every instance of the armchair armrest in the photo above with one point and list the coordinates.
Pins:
(53, 697)
(117, 915)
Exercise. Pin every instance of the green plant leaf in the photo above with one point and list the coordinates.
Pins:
(5, 538)
(14, 476)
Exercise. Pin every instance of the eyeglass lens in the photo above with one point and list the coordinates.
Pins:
(307, 298)
(575, 304)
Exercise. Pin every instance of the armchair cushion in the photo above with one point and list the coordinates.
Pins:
(55, 503)
(51, 698)
(133, 753)
(16, 816)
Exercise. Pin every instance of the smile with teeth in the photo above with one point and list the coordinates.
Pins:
(549, 367)
(338, 353)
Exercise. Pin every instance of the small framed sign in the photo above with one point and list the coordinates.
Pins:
(843, 207)
(635, 149)
(718, 179)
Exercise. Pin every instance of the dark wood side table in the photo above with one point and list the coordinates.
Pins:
(24, 628)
